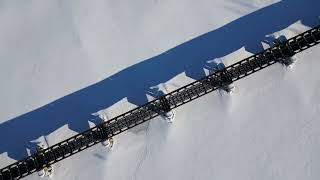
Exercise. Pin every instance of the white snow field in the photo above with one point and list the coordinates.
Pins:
(62, 61)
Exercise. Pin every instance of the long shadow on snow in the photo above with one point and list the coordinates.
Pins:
(135, 81)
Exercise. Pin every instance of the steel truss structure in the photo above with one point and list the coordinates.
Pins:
(165, 103)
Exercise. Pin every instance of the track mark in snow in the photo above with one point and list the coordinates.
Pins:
(143, 155)
(35, 69)
(67, 11)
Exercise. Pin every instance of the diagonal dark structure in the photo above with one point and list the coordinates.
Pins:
(191, 57)
(161, 105)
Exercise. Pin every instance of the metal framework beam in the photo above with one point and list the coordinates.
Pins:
(161, 105)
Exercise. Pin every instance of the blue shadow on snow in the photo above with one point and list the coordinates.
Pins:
(135, 81)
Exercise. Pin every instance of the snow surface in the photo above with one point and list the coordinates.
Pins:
(62, 61)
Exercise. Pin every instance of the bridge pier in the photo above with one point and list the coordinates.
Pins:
(108, 141)
(288, 62)
(167, 112)
(225, 82)
(46, 171)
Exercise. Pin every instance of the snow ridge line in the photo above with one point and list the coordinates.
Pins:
(220, 79)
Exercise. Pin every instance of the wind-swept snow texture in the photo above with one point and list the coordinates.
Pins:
(62, 61)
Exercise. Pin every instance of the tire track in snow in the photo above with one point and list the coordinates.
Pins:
(143, 155)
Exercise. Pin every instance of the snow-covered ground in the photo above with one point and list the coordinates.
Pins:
(62, 61)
